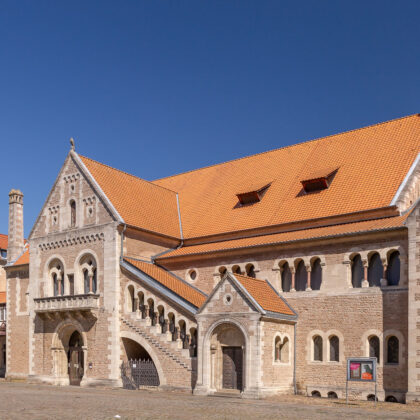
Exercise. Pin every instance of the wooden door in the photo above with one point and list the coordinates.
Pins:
(76, 368)
(232, 368)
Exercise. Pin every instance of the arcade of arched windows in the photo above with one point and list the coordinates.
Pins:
(157, 314)
(375, 268)
(300, 274)
(83, 279)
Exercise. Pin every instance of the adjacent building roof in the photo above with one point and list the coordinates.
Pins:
(265, 295)
(169, 281)
(23, 259)
(388, 223)
(3, 241)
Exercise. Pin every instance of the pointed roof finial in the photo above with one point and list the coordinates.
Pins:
(72, 143)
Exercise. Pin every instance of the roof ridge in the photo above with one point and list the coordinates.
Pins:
(288, 146)
(126, 173)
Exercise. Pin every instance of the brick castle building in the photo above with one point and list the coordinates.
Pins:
(259, 275)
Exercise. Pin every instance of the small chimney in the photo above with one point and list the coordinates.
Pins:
(15, 239)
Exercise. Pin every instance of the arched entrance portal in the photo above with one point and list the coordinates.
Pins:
(227, 349)
(138, 368)
(69, 354)
(75, 359)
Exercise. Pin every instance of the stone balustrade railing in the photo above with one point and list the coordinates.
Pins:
(67, 303)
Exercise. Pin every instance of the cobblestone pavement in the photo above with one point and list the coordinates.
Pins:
(28, 401)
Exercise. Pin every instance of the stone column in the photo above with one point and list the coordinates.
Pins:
(168, 330)
(308, 281)
(365, 282)
(384, 281)
(293, 271)
(146, 311)
(91, 283)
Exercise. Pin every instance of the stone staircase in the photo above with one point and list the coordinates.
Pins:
(159, 340)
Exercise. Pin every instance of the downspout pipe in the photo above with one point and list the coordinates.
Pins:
(294, 359)
(122, 243)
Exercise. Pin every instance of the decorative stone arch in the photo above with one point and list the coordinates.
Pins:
(310, 346)
(364, 347)
(78, 275)
(142, 342)
(48, 282)
(340, 336)
(211, 380)
(59, 348)
(401, 345)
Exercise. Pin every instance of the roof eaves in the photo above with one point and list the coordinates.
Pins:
(287, 242)
(284, 300)
(154, 284)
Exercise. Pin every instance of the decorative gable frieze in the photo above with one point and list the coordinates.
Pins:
(76, 240)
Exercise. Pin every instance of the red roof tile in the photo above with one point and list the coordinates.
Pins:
(265, 295)
(187, 292)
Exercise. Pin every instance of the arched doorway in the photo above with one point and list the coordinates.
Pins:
(138, 368)
(75, 359)
(227, 351)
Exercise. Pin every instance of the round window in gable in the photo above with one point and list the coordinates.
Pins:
(192, 275)
(227, 299)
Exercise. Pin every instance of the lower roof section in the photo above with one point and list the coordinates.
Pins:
(368, 226)
(168, 283)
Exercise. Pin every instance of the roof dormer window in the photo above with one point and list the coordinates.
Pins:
(253, 195)
(318, 182)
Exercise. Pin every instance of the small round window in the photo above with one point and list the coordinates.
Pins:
(192, 275)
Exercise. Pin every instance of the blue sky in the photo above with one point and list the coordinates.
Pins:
(161, 87)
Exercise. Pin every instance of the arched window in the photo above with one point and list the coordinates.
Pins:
(316, 275)
(236, 269)
(374, 346)
(277, 343)
(56, 277)
(317, 340)
(334, 349)
(393, 350)
(284, 350)
(250, 270)
(222, 271)
(375, 270)
(55, 283)
(130, 299)
(89, 274)
(357, 271)
(393, 269)
(286, 278)
(72, 213)
(301, 277)
(86, 281)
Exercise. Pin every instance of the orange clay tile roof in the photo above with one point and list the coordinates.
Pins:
(372, 163)
(187, 292)
(140, 203)
(2, 297)
(3, 241)
(265, 295)
(23, 259)
(285, 237)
